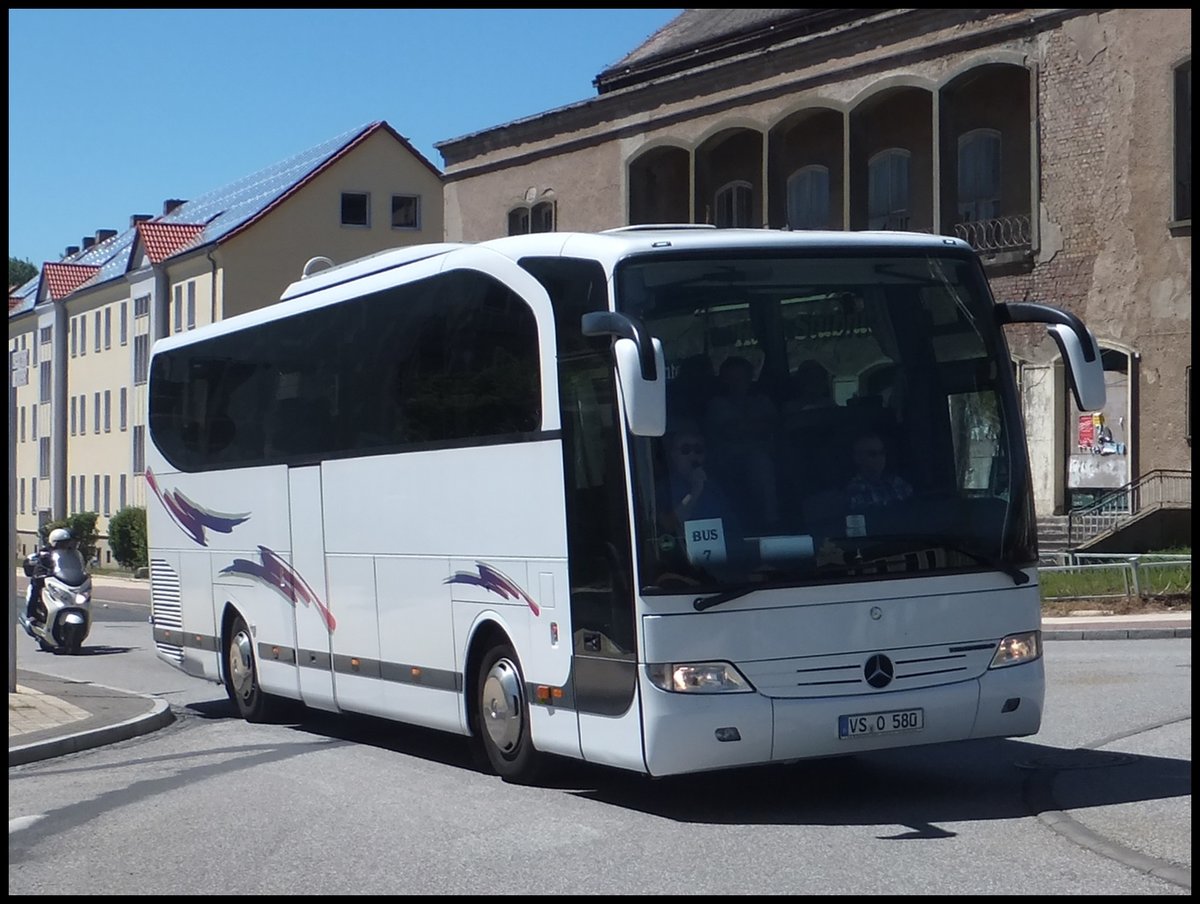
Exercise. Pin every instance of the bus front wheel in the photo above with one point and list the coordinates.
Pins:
(502, 716)
(241, 676)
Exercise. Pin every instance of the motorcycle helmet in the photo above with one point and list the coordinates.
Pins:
(60, 538)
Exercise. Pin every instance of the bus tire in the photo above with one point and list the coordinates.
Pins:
(241, 676)
(502, 716)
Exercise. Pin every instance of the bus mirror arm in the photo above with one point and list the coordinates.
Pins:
(610, 323)
(640, 369)
(1075, 342)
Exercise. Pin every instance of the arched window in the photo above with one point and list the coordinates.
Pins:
(540, 217)
(978, 175)
(887, 190)
(518, 221)
(808, 198)
(734, 204)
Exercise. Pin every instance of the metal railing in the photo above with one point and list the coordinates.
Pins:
(997, 234)
(1162, 488)
(1117, 576)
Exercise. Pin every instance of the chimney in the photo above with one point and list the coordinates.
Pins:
(170, 204)
(71, 249)
(103, 235)
(88, 242)
(138, 218)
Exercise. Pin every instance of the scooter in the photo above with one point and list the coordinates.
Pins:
(62, 617)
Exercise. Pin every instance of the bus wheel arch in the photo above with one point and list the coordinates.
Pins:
(498, 707)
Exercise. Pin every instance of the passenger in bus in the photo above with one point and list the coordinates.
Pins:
(873, 484)
(740, 425)
(689, 493)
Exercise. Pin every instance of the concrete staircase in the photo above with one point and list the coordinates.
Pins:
(1052, 538)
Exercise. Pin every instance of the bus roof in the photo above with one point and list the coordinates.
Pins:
(607, 247)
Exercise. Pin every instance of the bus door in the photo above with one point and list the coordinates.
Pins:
(313, 617)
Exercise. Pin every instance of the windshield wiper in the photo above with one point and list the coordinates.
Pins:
(701, 603)
(1017, 575)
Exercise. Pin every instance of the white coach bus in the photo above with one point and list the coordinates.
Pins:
(594, 495)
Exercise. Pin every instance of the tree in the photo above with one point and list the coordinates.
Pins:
(20, 271)
(127, 537)
(82, 526)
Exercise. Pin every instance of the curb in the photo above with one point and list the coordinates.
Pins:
(159, 716)
(1116, 633)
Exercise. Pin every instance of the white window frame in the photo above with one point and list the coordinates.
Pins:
(979, 175)
(733, 202)
(366, 195)
(888, 172)
(416, 212)
(808, 197)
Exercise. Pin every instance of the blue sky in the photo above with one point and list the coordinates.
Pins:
(111, 112)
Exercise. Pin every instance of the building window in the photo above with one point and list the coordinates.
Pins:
(108, 328)
(808, 198)
(139, 449)
(108, 411)
(33, 410)
(44, 457)
(141, 357)
(406, 212)
(978, 175)
(22, 495)
(191, 304)
(97, 332)
(82, 335)
(73, 421)
(540, 217)
(177, 304)
(887, 190)
(74, 489)
(96, 493)
(356, 208)
(518, 221)
(1183, 141)
(73, 329)
(96, 420)
(141, 306)
(107, 494)
(121, 491)
(123, 327)
(44, 377)
(734, 205)
(23, 423)
(124, 403)
(82, 415)
(46, 334)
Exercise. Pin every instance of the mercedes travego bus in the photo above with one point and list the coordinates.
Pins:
(666, 499)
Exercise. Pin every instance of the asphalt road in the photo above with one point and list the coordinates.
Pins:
(334, 805)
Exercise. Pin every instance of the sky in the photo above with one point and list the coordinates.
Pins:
(113, 111)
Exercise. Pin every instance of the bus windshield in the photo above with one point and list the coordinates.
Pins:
(831, 416)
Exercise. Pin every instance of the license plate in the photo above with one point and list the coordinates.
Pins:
(896, 720)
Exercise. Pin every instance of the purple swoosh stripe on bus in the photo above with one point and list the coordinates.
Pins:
(191, 517)
(277, 574)
(490, 579)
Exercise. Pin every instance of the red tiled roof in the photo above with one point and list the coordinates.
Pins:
(63, 279)
(165, 239)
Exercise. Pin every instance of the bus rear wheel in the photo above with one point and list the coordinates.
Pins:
(502, 717)
(241, 676)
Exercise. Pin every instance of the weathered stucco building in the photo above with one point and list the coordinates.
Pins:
(1056, 141)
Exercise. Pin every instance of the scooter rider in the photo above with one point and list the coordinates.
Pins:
(41, 562)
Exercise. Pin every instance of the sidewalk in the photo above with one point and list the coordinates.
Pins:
(50, 716)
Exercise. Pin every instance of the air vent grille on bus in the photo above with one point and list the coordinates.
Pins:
(165, 608)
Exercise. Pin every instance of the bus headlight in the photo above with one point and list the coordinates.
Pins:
(697, 678)
(1018, 648)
